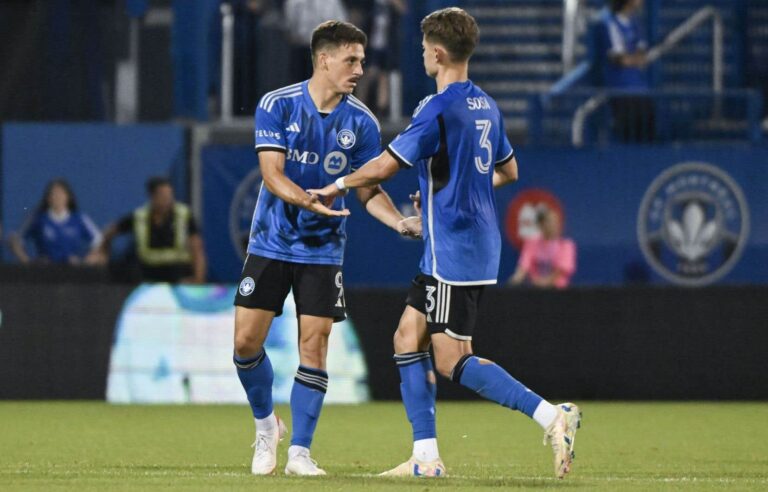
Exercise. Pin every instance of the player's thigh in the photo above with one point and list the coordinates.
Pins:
(451, 316)
(264, 284)
(319, 291)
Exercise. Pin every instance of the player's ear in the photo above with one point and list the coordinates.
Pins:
(441, 56)
(321, 61)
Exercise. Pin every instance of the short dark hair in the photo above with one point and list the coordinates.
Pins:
(156, 182)
(618, 5)
(454, 29)
(335, 33)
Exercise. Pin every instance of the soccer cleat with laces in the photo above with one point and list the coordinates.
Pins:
(302, 464)
(265, 449)
(416, 468)
(561, 434)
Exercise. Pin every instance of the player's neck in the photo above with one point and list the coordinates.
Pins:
(325, 98)
(450, 74)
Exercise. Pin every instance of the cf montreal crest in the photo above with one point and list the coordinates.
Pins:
(241, 211)
(693, 224)
(345, 139)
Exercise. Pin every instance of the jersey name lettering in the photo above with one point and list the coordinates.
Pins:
(475, 103)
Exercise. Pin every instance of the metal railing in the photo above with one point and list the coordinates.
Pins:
(226, 96)
(672, 40)
(658, 116)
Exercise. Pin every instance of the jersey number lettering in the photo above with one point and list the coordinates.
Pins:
(485, 129)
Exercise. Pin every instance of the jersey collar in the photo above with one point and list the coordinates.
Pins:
(311, 104)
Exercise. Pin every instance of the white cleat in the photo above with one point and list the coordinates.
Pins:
(302, 464)
(561, 434)
(416, 468)
(265, 453)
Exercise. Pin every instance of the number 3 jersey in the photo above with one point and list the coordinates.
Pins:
(455, 139)
(318, 148)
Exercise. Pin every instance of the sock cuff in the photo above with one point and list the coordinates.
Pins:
(410, 358)
(316, 379)
(458, 369)
(250, 363)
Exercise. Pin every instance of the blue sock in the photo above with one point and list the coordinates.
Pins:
(494, 383)
(307, 396)
(419, 392)
(256, 376)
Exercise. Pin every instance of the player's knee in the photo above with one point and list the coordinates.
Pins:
(247, 345)
(402, 343)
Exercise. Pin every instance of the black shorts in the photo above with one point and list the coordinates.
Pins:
(450, 309)
(317, 289)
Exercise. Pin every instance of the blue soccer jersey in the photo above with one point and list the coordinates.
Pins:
(60, 238)
(620, 36)
(318, 150)
(455, 139)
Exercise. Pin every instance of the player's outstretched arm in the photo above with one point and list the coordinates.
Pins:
(372, 173)
(378, 203)
(505, 174)
(272, 164)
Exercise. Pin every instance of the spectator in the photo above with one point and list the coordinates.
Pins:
(301, 18)
(59, 232)
(383, 53)
(621, 53)
(548, 260)
(168, 243)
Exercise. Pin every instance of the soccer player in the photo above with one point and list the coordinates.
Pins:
(457, 141)
(307, 135)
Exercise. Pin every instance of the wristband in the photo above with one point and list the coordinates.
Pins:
(340, 184)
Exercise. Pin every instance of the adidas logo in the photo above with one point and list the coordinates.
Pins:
(293, 127)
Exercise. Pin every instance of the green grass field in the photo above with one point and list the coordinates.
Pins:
(621, 446)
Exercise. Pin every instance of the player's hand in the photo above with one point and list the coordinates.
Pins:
(317, 206)
(410, 227)
(416, 199)
(327, 194)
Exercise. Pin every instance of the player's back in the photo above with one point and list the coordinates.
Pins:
(461, 136)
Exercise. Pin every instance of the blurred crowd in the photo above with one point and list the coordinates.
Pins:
(166, 243)
(264, 23)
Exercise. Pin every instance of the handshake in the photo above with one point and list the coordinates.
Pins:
(320, 202)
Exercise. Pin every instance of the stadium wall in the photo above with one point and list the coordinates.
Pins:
(619, 204)
(107, 166)
(56, 337)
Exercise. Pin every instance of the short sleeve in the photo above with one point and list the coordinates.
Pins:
(268, 132)
(369, 144)
(566, 257)
(91, 233)
(504, 150)
(421, 139)
(614, 38)
(526, 256)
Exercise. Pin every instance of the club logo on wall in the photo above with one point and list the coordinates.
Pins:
(520, 223)
(693, 224)
(241, 211)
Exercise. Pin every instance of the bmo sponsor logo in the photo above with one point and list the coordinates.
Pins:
(302, 156)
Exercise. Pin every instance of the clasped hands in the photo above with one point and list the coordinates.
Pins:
(322, 199)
